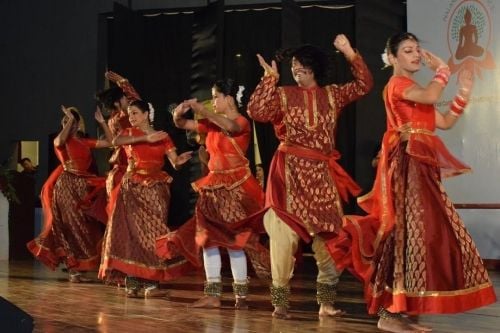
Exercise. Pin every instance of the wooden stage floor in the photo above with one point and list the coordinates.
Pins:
(60, 306)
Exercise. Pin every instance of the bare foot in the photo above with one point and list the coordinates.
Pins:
(395, 325)
(78, 278)
(241, 303)
(328, 310)
(134, 293)
(155, 292)
(417, 326)
(209, 302)
(281, 312)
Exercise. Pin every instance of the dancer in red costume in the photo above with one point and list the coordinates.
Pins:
(306, 184)
(116, 100)
(412, 251)
(71, 236)
(139, 209)
(227, 196)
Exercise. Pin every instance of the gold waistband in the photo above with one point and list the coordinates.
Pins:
(230, 170)
(143, 171)
(406, 130)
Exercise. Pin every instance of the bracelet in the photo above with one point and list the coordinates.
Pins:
(270, 73)
(442, 75)
(458, 105)
(121, 81)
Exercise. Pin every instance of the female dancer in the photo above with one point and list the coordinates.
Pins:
(412, 251)
(70, 235)
(139, 209)
(227, 196)
(116, 101)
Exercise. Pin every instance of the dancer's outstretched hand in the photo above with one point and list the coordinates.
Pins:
(465, 83)
(98, 115)
(268, 69)
(156, 136)
(114, 77)
(68, 113)
(183, 158)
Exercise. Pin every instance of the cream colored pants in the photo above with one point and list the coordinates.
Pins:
(283, 245)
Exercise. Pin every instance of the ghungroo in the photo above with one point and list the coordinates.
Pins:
(240, 290)
(213, 289)
(132, 283)
(279, 296)
(326, 293)
(384, 314)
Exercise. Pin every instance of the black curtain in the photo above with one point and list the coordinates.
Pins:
(247, 33)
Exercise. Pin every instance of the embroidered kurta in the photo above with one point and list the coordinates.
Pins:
(305, 182)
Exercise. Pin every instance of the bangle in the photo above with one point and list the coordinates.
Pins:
(442, 75)
(121, 81)
(457, 106)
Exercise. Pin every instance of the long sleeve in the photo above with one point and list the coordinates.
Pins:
(360, 86)
(264, 104)
(129, 90)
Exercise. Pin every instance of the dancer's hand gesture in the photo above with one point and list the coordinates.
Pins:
(268, 69)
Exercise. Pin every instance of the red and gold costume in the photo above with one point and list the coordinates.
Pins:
(118, 121)
(70, 234)
(227, 196)
(305, 181)
(412, 251)
(139, 210)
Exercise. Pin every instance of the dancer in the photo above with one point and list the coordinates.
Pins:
(116, 100)
(227, 196)
(305, 182)
(139, 209)
(70, 236)
(412, 251)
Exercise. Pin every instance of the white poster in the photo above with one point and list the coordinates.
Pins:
(465, 33)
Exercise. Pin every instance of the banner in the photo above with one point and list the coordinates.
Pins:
(464, 33)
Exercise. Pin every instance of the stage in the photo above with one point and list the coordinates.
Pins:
(60, 306)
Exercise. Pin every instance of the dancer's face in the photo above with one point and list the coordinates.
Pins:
(408, 57)
(74, 126)
(304, 76)
(219, 101)
(136, 117)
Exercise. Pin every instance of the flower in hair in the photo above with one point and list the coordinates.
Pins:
(385, 59)
(239, 95)
(151, 113)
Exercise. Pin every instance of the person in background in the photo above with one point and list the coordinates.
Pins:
(28, 167)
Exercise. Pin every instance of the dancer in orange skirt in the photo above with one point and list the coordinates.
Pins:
(70, 235)
(412, 251)
(139, 209)
(227, 196)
